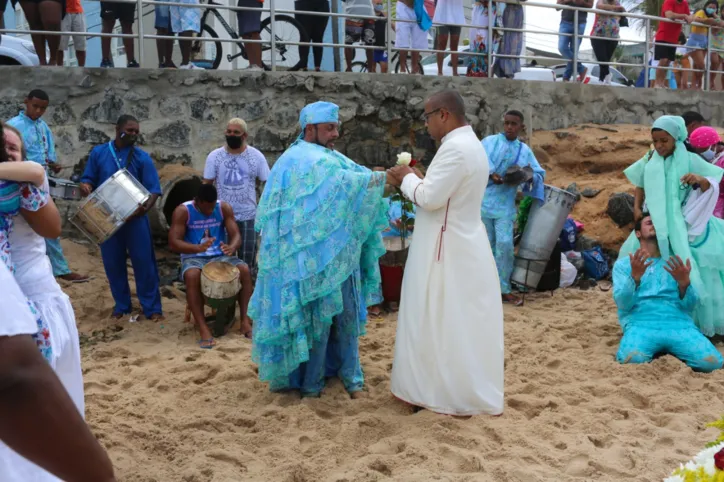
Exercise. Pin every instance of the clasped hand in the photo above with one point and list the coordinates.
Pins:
(678, 270)
(396, 174)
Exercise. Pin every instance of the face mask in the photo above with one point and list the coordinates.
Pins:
(234, 141)
(379, 7)
(710, 11)
(708, 154)
(129, 139)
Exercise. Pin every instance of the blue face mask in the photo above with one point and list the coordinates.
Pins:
(710, 11)
(379, 7)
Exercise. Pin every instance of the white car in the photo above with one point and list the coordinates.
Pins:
(617, 78)
(17, 51)
(429, 66)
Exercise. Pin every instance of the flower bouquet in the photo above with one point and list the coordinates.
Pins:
(707, 465)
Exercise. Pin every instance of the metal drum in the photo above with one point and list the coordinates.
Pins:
(110, 206)
(545, 223)
(64, 189)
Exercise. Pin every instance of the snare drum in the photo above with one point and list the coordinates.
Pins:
(108, 208)
(64, 189)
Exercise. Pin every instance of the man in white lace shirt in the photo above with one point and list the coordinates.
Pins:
(236, 169)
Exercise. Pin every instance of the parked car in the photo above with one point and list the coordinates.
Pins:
(617, 78)
(16, 51)
(429, 65)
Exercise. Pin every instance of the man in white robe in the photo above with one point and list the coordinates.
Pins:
(449, 345)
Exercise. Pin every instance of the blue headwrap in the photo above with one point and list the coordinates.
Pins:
(674, 125)
(319, 113)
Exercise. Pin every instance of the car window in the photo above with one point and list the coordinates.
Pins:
(595, 71)
(462, 60)
(618, 77)
(429, 60)
(560, 70)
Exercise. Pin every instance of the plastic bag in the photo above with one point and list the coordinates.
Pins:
(568, 272)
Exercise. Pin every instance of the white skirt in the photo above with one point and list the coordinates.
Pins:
(57, 311)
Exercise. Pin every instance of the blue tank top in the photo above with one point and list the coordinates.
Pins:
(200, 227)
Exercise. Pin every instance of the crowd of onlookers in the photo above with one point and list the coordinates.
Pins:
(414, 21)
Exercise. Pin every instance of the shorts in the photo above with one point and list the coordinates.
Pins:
(198, 262)
(380, 56)
(185, 19)
(448, 30)
(73, 22)
(409, 34)
(163, 17)
(359, 31)
(697, 40)
(249, 21)
(664, 52)
(123, 12)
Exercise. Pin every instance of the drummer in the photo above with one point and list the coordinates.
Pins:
(498, 211)
(202, 231)
(134, 237)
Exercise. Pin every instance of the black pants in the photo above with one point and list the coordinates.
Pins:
(315, 25)
(604, 50)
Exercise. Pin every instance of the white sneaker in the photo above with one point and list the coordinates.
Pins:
(253, 68)
(190, 66)
(607, 79)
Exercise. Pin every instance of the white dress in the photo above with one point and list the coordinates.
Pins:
(34, 275)
(449, 344)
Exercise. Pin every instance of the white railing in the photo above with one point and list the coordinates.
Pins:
(275, 43)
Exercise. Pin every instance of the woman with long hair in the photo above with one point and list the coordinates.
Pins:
(606, 26)
(699, 38)
(44, 15)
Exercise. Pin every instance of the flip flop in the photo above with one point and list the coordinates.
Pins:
(515, 302)
(207, 344)
(375, 316)
(604, 285)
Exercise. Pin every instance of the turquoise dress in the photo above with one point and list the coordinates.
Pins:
(660, 179)
(655, 319)
(320, 217)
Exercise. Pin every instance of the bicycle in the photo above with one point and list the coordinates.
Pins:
(287, 55)
(361, 66)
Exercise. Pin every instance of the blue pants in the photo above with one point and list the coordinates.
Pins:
(500, 234)
(566, 46)
(134, 240)
(57, 259)
(336, 354)
(640, 344)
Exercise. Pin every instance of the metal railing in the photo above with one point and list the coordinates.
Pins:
(274, 42)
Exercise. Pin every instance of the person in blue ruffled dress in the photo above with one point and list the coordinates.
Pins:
(320, 217)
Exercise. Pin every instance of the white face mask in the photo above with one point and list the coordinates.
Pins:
(708, 154)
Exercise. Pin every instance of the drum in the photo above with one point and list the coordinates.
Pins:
(110, 206)
(220, 281)
(64, 189)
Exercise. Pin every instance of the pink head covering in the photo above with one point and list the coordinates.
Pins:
(704, 137)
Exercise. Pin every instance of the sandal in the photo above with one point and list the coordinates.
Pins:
(207, 344)
(604, 285)
(512, 299)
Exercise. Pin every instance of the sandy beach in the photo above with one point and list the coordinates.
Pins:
(168, 411)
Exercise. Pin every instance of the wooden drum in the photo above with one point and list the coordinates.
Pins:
(220, 281)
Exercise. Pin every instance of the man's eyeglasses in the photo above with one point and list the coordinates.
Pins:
(426, 115)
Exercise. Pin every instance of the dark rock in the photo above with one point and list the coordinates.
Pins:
(9, 109)
(620, 208)
(562, 135)
(63, 143)
(168, 158)
(391, 111)
(172, 107)
(590, 192)
(424, 141)
(267, 140)
(573, 189)
(584, 242)
(92, 136)
(250, 111)
(140, 112)
(108, 111)
(370, 154)
(285, 115)
(175, 134)
(202, 110)
(62, 114)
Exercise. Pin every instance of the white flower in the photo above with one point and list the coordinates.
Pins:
(674, 478)
(404, 159)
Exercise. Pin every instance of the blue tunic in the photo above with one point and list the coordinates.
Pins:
(200, 227)
(655, 319)
(134, 238)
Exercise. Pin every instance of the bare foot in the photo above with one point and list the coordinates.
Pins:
(156, 317)
(75, 278)
(512, 299)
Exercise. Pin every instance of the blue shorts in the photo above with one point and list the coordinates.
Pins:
(696, 40)
(380, 56)
(198, 262)
(163, 17)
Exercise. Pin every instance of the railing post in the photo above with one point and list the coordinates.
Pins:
(388, 43)
(489, 41)
(646, 54)
(707, 63)
(575, 44)
(139, 30)
(273, 47)
(335, 36)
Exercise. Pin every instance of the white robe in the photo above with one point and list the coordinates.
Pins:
(449, 345)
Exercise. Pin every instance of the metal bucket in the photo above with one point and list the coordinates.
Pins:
(545, 223)
(108, 208)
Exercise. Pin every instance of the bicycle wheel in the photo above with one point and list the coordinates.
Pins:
(409, 66)
(286, 29)
(359, 66)
(207, 55)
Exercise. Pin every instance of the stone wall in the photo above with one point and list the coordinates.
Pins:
(183, 114)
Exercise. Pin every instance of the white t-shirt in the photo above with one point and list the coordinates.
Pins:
(16, 317)
(449, 11)
(235, 177)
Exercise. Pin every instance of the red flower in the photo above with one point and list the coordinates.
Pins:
(719, 459)
(413, 162)
(25, 191)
